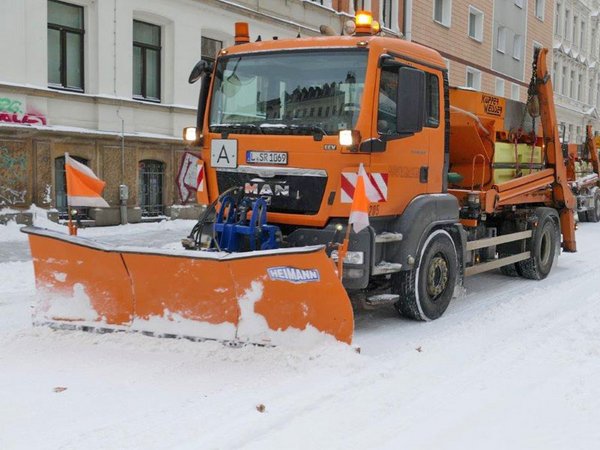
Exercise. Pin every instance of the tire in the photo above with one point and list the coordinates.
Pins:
(426, 291)
(593, 215)
(582, 216)
(544, 247)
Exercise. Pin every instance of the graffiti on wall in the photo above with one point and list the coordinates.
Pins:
(13, 176)
(13, 111)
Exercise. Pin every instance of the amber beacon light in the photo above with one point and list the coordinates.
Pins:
(364, 22)
(242, 33)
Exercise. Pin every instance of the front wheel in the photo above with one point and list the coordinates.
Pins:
(426, 291)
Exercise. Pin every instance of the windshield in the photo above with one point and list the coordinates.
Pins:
(288, 93)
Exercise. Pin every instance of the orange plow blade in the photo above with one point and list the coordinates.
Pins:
(269, 297)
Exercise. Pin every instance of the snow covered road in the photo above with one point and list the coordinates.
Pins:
(513, 364)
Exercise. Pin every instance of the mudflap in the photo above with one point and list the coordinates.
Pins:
(270, 297)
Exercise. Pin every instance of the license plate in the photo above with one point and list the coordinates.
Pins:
(253, 157)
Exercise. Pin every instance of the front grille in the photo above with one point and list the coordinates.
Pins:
(291, 194)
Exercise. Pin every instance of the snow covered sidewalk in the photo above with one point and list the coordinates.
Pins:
(513, 364)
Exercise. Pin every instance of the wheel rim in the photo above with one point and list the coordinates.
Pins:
(545, 247)
(437, 276)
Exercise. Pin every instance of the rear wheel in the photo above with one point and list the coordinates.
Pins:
(544, 247)
(426, 291)
(593, 215)
(582, 216)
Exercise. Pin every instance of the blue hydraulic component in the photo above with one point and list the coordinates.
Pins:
(235, 232)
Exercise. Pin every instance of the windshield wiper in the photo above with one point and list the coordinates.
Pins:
(316, 131)
(231, 127)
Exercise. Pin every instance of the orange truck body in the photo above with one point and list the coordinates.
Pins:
(445, 209)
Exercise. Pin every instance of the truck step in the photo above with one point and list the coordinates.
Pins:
(382, 299)
(386, 237)
(384, 268)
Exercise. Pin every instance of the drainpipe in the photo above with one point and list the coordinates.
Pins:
(408, 11)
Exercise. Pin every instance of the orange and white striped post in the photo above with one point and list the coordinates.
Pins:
(359, 214)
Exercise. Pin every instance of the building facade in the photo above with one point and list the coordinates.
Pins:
(576, 66)
(106, 82)
(488, 45)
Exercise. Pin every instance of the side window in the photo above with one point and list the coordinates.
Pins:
(432, 101)
(388, 95)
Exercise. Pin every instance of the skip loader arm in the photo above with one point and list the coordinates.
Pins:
(563, 198)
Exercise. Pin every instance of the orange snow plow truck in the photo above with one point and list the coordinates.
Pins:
(460, 182)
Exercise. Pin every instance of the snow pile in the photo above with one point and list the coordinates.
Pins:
(64, 306)
(175, 324)
(253, 327)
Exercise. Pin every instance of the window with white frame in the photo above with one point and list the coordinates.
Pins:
(555, 74)
(566, 33)
(519, 3)
(582, 35)
(473, 78)
(501, 40)
(514, 91)
(572, 89)
(442, 12)
(579, 86)
(575, 32)
(475, 24)
(499, 87)
(389, 13)
(517, 52)
(557, 19)
(563, 81)
(361, 5)
(539, 8)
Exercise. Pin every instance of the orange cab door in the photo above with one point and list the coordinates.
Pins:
(413, 163)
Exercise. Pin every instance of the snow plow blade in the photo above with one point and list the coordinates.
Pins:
(269, 297)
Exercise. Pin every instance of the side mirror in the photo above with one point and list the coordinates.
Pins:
(410, 107)
(200, 68)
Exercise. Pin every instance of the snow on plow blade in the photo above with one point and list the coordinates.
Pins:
(268, 297)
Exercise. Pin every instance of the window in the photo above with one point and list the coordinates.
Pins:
(517, 52)
(60, 186)
(146, 61)
(519, 3)
(514, 91)
(387, 13)
(209, 48)
(572, 90)
(361, 5)
(566, 29)
(432, 101)
(539, 9)
(579, 86)
(582, 36)
(442, 11)
(591, 92)
(501, 40)
(575, 33)
(388, 97)
(500, 87)
(473, 78)
(563, 81)
(555, 74)
(475, 24)
(65, 46)
(557, 19)
(151, 187)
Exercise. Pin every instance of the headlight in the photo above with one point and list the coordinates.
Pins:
(190, 134)
(350, 258)
(346, 138)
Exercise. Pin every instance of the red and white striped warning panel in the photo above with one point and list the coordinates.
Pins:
(377, 191)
